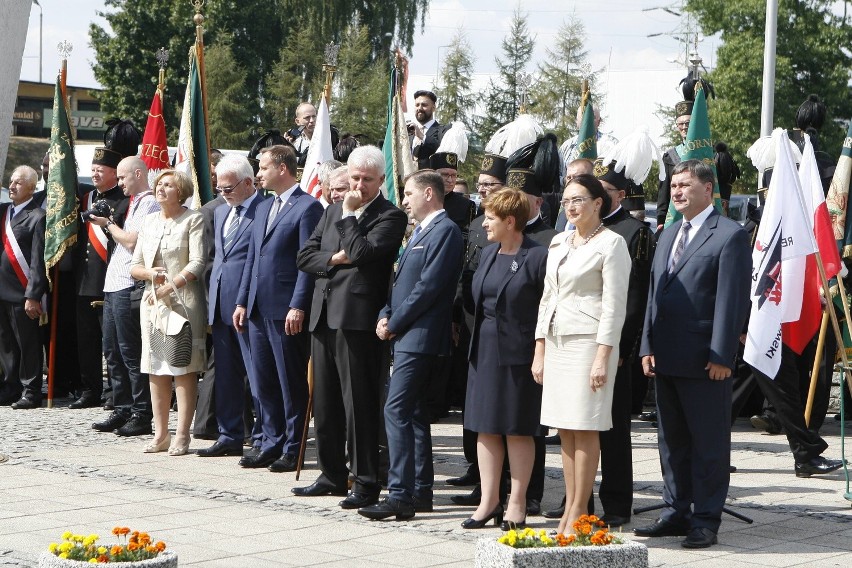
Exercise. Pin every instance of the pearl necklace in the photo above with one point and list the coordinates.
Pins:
(587, 239)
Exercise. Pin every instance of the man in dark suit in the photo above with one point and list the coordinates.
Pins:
(426, 134)
(537, 230)
(23, 282)
(418, 318)
(232, 234)
(616, 490)
(351, 254)
(273, 298)
(93, 250)
(697, 304)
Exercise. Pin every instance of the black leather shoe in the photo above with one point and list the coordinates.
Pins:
(557, 512)
(113, 422)
(136, 426)
(470, 500)
(508, 525)
(533, 507)
(817, 466)
(26, 404)
(661, 527)
(465, 480)
(422, 505)
(700, 538)
(615, 520)
(496, 514)
(388, 507)
(218, 449)
(108, 404)
(553, 440)
(648, 416)
(262, 459)
(85, 401)
(318, 488)
(286, 462)
(356, 500)
(766, 422)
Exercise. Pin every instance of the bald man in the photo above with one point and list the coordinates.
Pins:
(23, 282)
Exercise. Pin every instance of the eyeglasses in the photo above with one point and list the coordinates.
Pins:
(682, 124)
(574, 201)
(228, 189)
(452, 176)
(488, 185)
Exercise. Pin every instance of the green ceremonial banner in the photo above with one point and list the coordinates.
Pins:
(61, 222)
(396, 148)
(699, 146)
(387, 147)
(193, 156)
(587, 138)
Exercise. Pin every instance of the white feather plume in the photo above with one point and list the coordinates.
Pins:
(635, 153)
(762, 152)
(521, 132)
(455, 141)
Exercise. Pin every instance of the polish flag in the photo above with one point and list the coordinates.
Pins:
(319, 151)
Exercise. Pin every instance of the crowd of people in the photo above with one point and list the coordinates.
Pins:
(534, 310)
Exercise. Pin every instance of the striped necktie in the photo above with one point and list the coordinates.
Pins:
(681, 244)
(273, 213)
(233, 228)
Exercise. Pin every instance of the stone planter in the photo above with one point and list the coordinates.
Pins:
(492, 554)
(166, 559)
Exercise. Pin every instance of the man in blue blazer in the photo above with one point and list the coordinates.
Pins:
(274, 297)
(418, 319)
(232, 232)
(697, 303)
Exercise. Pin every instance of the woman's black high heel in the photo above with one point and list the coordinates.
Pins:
(512, 525)
(496, 514)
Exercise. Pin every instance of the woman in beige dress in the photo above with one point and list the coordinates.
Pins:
(580, 317)
(170, 257)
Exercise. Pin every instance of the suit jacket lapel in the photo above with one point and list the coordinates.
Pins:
(697, 241)
(285, 208)
(419, 238)
(520, 257)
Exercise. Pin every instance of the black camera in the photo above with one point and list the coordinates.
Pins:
(99, 209)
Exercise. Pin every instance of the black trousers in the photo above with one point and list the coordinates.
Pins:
(347, 394)
(20, 352)
(89, 346)
(784, 393)
(616, 490)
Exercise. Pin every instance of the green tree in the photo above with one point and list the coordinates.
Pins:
(296, 77)
(502, 97)
(359, 99)
(228, 101)
(556, 93)
(454, 88)
(810, 59)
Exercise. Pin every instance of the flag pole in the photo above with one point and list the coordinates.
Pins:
(834, 323)
(823, 328)
(841, 288)
(199, 55)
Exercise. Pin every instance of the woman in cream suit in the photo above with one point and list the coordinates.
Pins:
(171, 243)
(579, 326)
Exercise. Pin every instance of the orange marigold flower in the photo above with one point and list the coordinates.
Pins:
(116, 549)
(571, 538)
(103, 558)
(125, 530)
(116, 531)
(160, 546)
(131, 546)
(593, 518)
(585, 528)
(584, 519)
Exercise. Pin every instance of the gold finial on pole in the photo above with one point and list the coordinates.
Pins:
(162, 61)
(330, 66)
(523, 82)
(199, 20)
(64, 48)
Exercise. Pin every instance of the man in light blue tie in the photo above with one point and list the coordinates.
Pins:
(418, 321)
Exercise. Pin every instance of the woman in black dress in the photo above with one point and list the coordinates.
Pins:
(503, 400)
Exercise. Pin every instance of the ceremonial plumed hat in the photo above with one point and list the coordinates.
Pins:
(121, 140)
(444, 160)
(493, 165)
(523, 179)
(271, 137)
(727, 170)
(543, 159)
(811, 113)
(687, 85)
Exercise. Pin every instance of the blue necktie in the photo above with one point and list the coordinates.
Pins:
(232, 229)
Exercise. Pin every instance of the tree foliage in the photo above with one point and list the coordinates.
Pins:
(228, 100)
(502, 97)
(454, 88)
(812, 57)
(557, 91)
(276, 44)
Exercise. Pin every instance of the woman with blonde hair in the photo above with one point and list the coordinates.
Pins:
(170, 257)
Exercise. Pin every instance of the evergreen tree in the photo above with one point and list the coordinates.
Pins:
(457, 100)
(557, 91)
(296, 77)
(228, 103)
(502, 97)
(810, 59)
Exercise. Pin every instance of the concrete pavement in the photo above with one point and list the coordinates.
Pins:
(62, 475)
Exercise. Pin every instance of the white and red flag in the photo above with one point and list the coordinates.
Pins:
(319, 151)
(785, 239)
(155, 148)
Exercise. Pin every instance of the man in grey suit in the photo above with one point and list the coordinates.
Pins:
(418, 319)
(697, 304)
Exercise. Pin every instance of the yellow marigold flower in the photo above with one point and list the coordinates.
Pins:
(66, 535)
(102, 550)
(93, 560)
(63, 555)
(88, 541)
(53, 547)
(66, 546)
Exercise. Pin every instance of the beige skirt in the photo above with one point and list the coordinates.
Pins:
(567, 400)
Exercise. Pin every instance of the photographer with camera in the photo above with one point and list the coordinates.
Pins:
(93, 250)
(122, 332)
